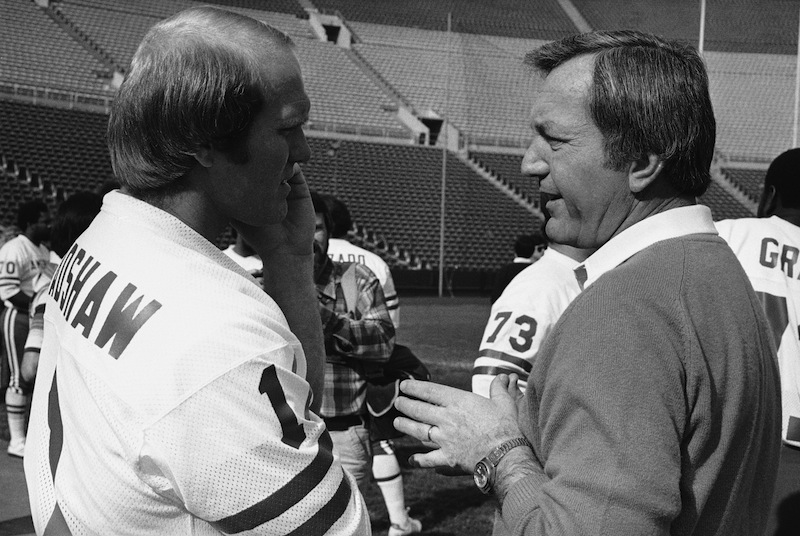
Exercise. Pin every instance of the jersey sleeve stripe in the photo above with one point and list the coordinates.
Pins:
(290, 494)
(322, 520)
(496, 354)
(494, 371)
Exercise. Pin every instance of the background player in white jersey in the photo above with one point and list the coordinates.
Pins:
(524, 314)
(23, 260)
(385, 466)
(245, 256)
(341, 250)
(174, 395)
(769, 249)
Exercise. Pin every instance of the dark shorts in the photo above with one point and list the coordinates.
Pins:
(380, 403)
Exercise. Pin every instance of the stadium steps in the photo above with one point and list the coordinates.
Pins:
(735, 191)
(378, 78)
(732, 188)
(84, 40)
(519, 196)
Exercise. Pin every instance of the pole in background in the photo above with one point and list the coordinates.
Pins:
(702, 38)
(796, 88)
(444, 158)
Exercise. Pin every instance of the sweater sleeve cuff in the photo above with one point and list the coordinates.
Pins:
(523, 498)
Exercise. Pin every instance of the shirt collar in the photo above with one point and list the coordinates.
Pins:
(671, 223)
(326, 282)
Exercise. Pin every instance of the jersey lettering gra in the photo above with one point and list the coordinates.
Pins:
(774, 255)
(80, 278)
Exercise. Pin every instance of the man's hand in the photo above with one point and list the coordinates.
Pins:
(466, 426)
(286, 249)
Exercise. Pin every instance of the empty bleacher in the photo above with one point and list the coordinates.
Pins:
(36, 51)
(291, 7)
(751, 181)
(394, 190)
(753, 97)
(722, 204)
(507, 168)
(65, 148)
(543, 19)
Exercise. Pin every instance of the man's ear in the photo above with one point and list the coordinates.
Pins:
(643, 172)
(205, 156)
(768, 203)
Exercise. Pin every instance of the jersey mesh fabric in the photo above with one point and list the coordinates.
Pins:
(769, 249)
(200, 423)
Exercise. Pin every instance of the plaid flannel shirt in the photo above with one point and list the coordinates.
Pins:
(366, 335)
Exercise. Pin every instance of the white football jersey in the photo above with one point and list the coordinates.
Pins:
(21, 264)
(340, 250)
(769, 250)
(522, 317)
(171, 395)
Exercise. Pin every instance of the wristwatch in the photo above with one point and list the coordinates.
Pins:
(484, 473)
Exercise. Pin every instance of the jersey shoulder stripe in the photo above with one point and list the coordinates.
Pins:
(494, 371)
(290, 494)
(322, 520)
(502, 356)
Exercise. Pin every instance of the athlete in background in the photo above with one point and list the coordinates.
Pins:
(72, 218)
(23, 261)
(340, 250)
(524, 314)
(769, 249)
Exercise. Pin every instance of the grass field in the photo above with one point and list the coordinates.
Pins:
(444, 333)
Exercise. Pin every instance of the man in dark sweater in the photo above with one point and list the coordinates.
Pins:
(653, 406)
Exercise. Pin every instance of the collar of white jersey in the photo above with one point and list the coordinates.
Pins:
(671, 223)
(144, 215)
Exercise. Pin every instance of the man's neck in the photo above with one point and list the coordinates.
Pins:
(188, 206)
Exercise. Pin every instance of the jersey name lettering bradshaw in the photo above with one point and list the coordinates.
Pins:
(120, 320)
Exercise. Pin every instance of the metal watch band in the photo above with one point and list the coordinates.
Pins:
(497, 454)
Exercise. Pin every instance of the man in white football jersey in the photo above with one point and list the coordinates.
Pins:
(524, 314)
(341, 250)
(174, 395)
(23, 261)
(769, 249)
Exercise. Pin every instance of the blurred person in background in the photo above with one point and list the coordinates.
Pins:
(528, 249)
(72, 218)
(768, 247)
(24, 260)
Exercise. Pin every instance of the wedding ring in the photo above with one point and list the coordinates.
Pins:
(430, 429)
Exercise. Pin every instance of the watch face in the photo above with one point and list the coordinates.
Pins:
(482, 476)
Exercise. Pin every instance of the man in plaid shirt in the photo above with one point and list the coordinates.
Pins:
(358, 331)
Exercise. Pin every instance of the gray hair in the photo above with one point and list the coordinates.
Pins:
(195, 81)
(649, 96)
